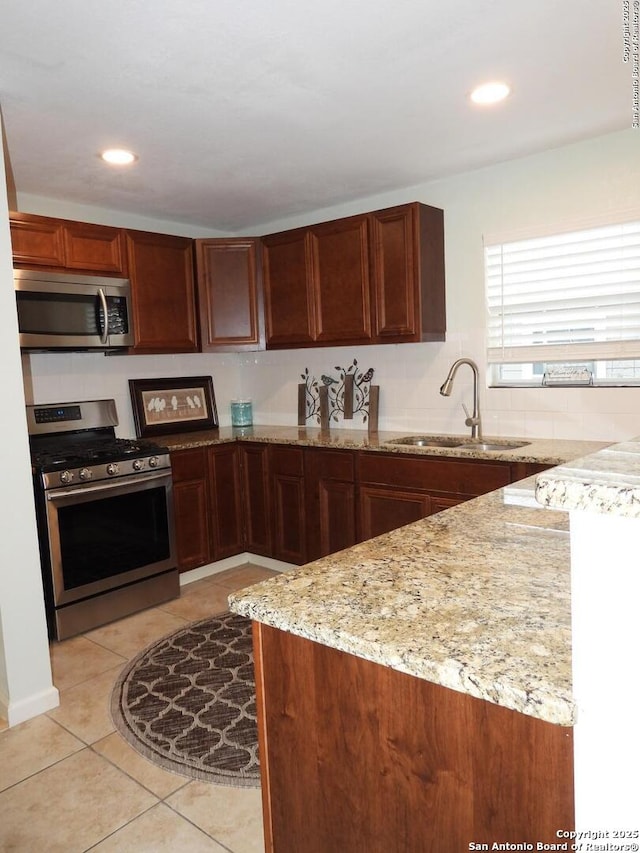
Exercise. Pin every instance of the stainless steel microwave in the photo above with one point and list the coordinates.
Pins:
(57, 311)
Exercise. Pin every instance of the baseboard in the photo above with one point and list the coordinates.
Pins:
(18, 712)
(230, 563)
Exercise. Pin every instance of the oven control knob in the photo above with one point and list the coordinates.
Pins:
(66, 477)
(86, 474)
(112, 468)
(153, 462)
(138, 464)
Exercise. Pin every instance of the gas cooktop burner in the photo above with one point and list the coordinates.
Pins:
(58, 454)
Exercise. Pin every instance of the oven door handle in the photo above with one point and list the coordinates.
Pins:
(112, 485)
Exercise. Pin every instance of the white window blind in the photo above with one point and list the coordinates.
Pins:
(569, 296)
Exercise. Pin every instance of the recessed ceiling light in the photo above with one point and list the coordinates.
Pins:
(118, 156)
(490, 93)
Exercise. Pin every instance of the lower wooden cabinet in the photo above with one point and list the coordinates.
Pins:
(298, 504)
(347, 768)
(207, 506)
(225, 506)
(191, 507)
(396, 490)
(286, 473)
(382, 509)
(330, 501)
(256, 497)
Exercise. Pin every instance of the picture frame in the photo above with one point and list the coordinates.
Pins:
(173, 405)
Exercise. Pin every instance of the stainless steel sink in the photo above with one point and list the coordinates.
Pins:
(459, 442)
(493, 445)
(428, 441)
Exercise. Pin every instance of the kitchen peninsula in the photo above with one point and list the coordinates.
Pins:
(415, 691)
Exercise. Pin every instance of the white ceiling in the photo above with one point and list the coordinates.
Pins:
(244, 112)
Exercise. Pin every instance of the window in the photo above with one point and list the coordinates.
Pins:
(565, 308)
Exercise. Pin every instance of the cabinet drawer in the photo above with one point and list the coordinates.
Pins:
(442, 475)
(333, 464)
(189, 464)
(288, 461)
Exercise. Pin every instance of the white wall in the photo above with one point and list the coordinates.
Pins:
(585, 180)
(605, 585)
(25, 671)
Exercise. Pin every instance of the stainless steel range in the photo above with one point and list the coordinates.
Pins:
(105, 517)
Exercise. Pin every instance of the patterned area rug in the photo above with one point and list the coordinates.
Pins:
(187, 702)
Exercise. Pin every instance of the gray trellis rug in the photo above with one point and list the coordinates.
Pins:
(187, 702)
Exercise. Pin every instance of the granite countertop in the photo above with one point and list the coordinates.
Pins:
(432, 600)
(606, 482)
(536, 450)
(476, 598)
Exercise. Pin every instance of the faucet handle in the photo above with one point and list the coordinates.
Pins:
(469, 419)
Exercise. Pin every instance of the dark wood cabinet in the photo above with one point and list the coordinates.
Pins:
(288, 289)
(334, 723)
(256, 497)
(407, 274)
(225, 504)
(191, 507)
(373, 278)
(286, 471)
(64, 245)
(299, 504)
(230, 294)
(395, 490)
(207, 504)
(330, 501)
(340, 281)
(163, 292)
(382, 509)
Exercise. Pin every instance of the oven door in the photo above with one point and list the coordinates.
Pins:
(106, 535)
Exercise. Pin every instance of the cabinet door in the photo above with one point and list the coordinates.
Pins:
(289, 303)
(163, 292)
(254, 480)
(407, 262)
(225, 514)
(340, 270)
(394, 274)
(439, 503)
(94, 247)
(384, 509)
(36, 241)
(65, 245)
(286, 467)
(331, 501)
(229, 294)
(191, 507)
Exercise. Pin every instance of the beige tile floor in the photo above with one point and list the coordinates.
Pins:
(70, 783)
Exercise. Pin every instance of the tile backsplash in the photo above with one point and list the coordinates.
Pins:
(409, 376)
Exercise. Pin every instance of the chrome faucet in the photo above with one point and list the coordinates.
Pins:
(473, 420)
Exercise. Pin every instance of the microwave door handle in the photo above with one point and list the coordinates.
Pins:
(104, 335)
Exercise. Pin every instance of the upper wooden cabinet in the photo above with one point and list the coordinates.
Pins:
(62, 244)
(373, 278)
(163, 292)
(230, 294)
(340, 276)
(288, 289)
(407, 274)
